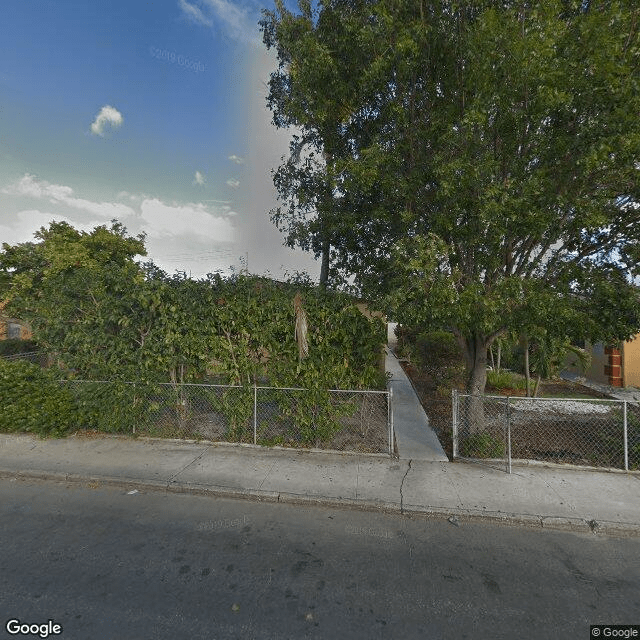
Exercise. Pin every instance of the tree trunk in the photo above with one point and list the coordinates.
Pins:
(324, 266)
(474, 350)
(527, 374)
(475, 356)
(327, 207)
(537, 387)
(499, 354)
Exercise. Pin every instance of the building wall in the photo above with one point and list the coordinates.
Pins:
(599, 360)
(596, 371)
(631, 362)
(611, 366)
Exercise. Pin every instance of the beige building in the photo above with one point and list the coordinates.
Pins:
(618, 367)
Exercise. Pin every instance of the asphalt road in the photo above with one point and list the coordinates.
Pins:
(105, 564)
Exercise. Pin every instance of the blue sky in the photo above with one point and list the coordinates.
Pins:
(150, 112)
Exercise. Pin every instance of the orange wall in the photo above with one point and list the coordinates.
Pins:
(631, 362)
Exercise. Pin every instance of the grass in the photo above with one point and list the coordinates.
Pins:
(482, 445)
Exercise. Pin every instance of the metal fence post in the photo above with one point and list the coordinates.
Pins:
(454, 411)
(624, 435)
(390, 418)
(508, 435)
(255, 413)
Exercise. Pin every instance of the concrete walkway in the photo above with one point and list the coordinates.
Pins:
(415, 439)
(584, 501)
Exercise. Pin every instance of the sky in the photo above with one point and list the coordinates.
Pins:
(150, 112)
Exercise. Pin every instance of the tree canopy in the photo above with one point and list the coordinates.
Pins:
(483, 159)
(104, 315)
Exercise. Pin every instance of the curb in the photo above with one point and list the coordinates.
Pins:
(454, 515)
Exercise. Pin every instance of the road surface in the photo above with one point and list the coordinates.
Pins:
(104, 564)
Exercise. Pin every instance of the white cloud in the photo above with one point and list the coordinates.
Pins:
(133, 197)
(239, 23)
(198, 179)
(161, 220)
(234, 184)
(236, 159)
(194, 13)
(30, 186)
(107, 115)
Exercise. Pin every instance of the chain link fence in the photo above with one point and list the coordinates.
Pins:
(588, 432)
(35, 357)
(353, 420)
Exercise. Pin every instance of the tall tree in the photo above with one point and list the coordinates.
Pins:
(309, 92)
(487, 162)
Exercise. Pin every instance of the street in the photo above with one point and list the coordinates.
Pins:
(106, 563)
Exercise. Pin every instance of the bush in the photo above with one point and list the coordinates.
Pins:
(505, 380)
(112, 407)
(33, 401)
(437, 348)
(482, 445)
(435, 353)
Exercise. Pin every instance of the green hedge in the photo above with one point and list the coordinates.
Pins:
(33, 401)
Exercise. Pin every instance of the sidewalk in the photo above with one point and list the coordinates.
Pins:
(585, 501)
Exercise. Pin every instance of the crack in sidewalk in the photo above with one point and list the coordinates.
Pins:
(267, 475)
(177, 473)
(401, 487)
(453, 486)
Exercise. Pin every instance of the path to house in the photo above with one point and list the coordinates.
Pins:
(415, 439)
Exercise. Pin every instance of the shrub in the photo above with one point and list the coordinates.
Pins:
(437, 347)
(505, 380)
(33, 401)
(112, 407)
(436, 353)
(482, 445)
